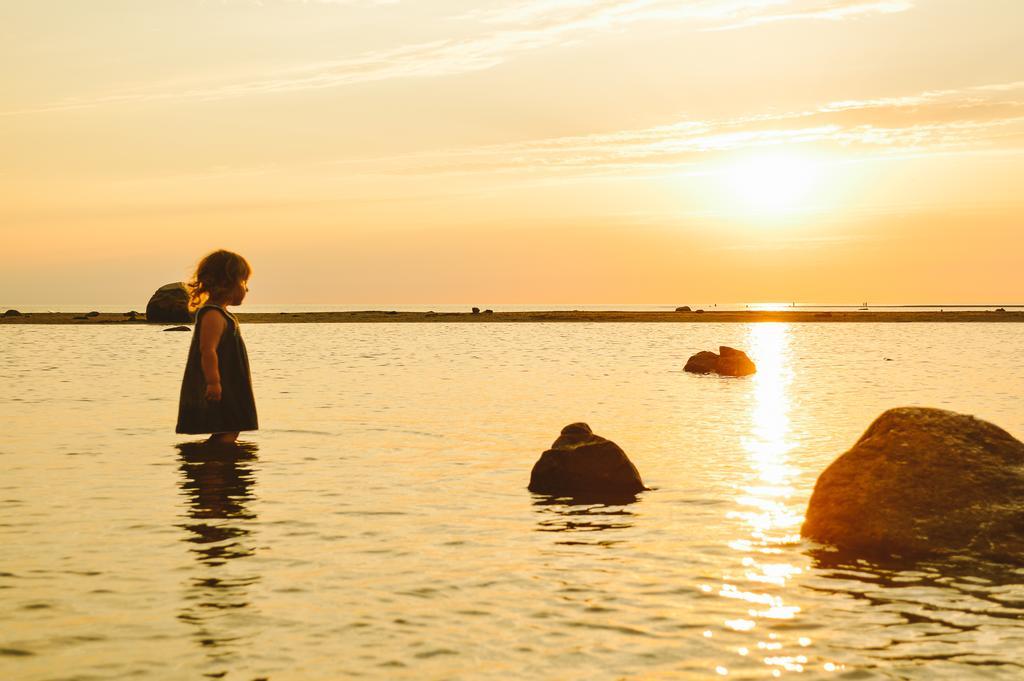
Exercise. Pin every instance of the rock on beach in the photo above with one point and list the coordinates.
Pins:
(587, 466)
(169, 305)
(727, 362)
(923, 481)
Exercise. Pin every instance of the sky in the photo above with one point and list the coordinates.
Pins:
(515, 151)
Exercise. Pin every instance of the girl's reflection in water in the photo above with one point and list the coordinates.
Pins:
(217, 481)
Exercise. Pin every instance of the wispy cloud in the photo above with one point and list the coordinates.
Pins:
(421, 60)
(713, 14)
(966, 119)
(777, 243)
(340, 3)
(830, 10)
(515, 29)
(986, 118)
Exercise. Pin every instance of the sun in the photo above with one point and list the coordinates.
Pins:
(771, 183)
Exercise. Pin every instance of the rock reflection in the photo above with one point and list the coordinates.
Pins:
(578, 518)
(217, 482)
(959, 610)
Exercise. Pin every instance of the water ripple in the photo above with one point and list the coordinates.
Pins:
(382, 528)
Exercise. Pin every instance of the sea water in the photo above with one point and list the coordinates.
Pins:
(378, 525)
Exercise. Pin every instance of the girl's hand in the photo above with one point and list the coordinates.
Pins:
(213, 392)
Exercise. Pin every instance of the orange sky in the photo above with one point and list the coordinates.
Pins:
(516, 151)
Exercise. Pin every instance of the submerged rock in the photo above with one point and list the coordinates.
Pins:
(584, 465)
(169, 304)
(923, 481)
(728, 362)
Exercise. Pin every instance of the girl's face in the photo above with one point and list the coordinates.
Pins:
(237, 293)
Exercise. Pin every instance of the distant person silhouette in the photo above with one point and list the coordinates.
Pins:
(216, 391)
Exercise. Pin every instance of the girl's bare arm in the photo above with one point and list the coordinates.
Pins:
(210, 332)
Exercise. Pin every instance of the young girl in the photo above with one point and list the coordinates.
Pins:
(216, 392)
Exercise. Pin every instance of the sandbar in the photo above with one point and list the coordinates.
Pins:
(548, 316)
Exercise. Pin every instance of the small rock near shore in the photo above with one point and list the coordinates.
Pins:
(583, 465)
(728, 362)
(704, 362)
(476, 310)
(684, 308)
(923, 481)
(178, 328)
(12, 313)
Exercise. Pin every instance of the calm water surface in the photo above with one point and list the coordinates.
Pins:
(378, 526)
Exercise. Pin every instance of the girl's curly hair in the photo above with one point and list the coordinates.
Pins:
(216, 274)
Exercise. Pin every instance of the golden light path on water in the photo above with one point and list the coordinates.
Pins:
(766, 512)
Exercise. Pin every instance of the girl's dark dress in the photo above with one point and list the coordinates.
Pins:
(236, 410)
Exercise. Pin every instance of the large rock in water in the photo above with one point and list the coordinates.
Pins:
(586, 466)
(728, 362)
(923, 481)
(169, 305)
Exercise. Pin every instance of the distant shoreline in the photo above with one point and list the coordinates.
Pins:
(542, 316)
